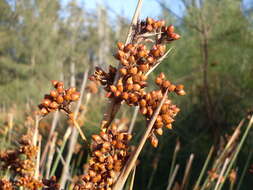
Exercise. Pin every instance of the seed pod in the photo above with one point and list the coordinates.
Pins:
(117, 93)
(60, 85)
(143, 103)
(156, 53)
(92, 173)
(59, 99)
(170, 30)
(133, 70)
(149, 28)
(113, 88)
(149, 20)
(53, 93)
(120, 55)
(97, 139)
(166, 84)
(171, 87)
(129, 80)
(169, 126)
(86, 177)
(144, 67)
(67, 97)
(124, 62)
(123, 71)
(175, 36)
(142, 54)
(53, 105)
(128, 47)
(153, 140)
(60, 89)
(88, 185)
(120, 45)
(179, 87)
(181, 92)
(106, 145)
(124, 95)
(104, 136)
(96, 179)
(75, 96)
(159, 131)
(109, 182)
(144, 110)
(158, 81)
(112, 174)
(150, 111)
(54, 83)
(131, 59)
(46, 102)
(43, 111)
(98, 153)
(136, 87)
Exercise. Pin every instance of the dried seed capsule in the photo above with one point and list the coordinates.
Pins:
(120, 45)
(175, 36)
(59, 99)
(170, 29)
(133, 70)
(159, 131)
(166, 84)
(144, 67)
(97, 139)
(124, 95)
(60, 89)
(113, 88)
(67, 97)
(53, 105)
(124, 62)
(53, 93)
(120, 54)
(181, 92)
(46, 102)
(60, 85)
(136, 87)
(96, 179)
(149, 28)
(131, 59)
(143, 103)
(106, 145)
(117, 93)
(75, 96)
(150, 20)
(123, 71)
(158, 81)
(150, 60)
(171, 87)
(169, 126)
(43, 111)
(179, 87)
(54, 82)
(153, 140)
(129, 47)
(156, 53)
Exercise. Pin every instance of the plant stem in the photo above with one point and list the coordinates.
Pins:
(132, 160)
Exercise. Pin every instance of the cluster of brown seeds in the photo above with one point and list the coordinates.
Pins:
(5, 184)
(150, 26)
(136, 60)
(58, 99)
(28, 182)
(109, 154)
(21, 160)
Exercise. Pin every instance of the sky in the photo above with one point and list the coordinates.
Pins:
(149, 8)
(126, 7)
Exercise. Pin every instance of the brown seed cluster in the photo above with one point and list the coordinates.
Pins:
(136, 60)
(58, 99)
(109, 154)
(6, 184)
(21, 160)
(21, 163)
(150, 26)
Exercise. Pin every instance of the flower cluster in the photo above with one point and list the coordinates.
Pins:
(58, 99)
(109, 154)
